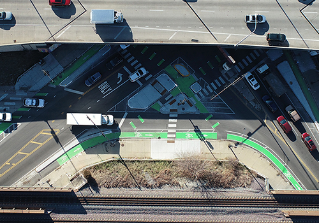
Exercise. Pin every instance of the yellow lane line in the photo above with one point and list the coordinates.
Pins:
(39, 143)
(19, 152)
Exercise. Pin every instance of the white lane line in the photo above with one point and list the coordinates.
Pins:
(63, 32)
(310, 12)
(172, 36)
(156, 10)
(123, 119)
(119, 32)
(74, 91)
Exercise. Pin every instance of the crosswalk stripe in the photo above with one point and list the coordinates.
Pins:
(127, 55)
(201, 94)
(237, 68)
(148, 77)
(210, 90)
(213, 85)
(221, 80)
(241, 65)
(252, 55)
(205, 92)
(127, 70)
(245, 62)
(130, 59)
(255, 51)
(249, 60)
(218, 84)
(225, 76)
(171, 125)
(134, 62)
(137, 66)
(140, 83)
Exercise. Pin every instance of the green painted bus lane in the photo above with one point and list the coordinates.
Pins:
(270, 156)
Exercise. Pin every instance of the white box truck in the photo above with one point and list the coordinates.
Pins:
(88, 119)
(105, 16)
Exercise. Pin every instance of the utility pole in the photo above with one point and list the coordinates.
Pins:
(47, 74)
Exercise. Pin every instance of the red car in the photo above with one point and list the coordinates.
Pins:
(59, 2)
(284, 124)
(308, 141)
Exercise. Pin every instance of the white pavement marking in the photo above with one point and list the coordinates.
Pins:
(127, 70)
(74, 91)
(241, 65)
(137, 66)
(171, 135)
(252, 55)
(237, 68)
(172, 125)
(123, 119)
(148, 77)
(221, 80)
(156, 10)
(201, 94)
(127, 55)
(172, 36)
(172, 120)
(227, 38)
(249, 60)
(140, 83)
(255, 51)
(172, 115)
(218, 84)
(130, 59)
(119, 32)
(213, 85)
(204, 90)
(63, 31)
(171, 130)
(115, 88)
(134, 62)
(210, 90)
(245, 62)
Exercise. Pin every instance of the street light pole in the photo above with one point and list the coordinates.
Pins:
(249, 33)
(46, 74)
(96, 126)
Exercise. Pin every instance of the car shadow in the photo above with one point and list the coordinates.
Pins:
(261, 28)
(292, 136)
(64, 12)
(7, 25)
(277, 43)
(315, 154)
(120, 32)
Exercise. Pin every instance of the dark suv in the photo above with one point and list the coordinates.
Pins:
(114, 62)
(276, 38)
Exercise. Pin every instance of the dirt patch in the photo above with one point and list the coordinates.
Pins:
(184, 173)
(13, 64)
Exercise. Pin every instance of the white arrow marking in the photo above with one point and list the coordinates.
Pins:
(119, 76)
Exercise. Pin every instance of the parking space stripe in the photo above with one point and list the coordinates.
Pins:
(132, 124)
(221, 80)
(249, 60)
(215, 125)
(152, 56)
(144, 50)
(217, 58)
(140, 118)
(160, 63)
(210, 64)
(203, 72)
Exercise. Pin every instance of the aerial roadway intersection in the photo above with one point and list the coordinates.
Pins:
(182, 21)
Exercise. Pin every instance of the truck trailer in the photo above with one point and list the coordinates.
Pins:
(88, 119)
(105, 16)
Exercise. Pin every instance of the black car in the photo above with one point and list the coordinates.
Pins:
(276, 38)
(91, 80)
(270, 103)
(114, 62)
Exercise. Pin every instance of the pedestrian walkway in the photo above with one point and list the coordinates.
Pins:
(143, 146)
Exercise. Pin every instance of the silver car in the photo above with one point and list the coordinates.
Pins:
(33, 102)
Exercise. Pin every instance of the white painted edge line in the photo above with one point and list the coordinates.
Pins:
(123, 119)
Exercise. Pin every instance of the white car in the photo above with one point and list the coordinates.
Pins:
(33, 102)
(6, 117)
(252, 19)
(138, 74)
(252, 81)
(5, 16)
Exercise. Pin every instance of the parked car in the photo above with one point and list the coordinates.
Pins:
(276, 38)
(114, 62)
(252, 80)
(33, 102)
(59, 2)
(270, 103)
(308, 141)
(138, 74)
(5, 117)
(252, 19)
(92, 79)
(5, 16)
(284, 124)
